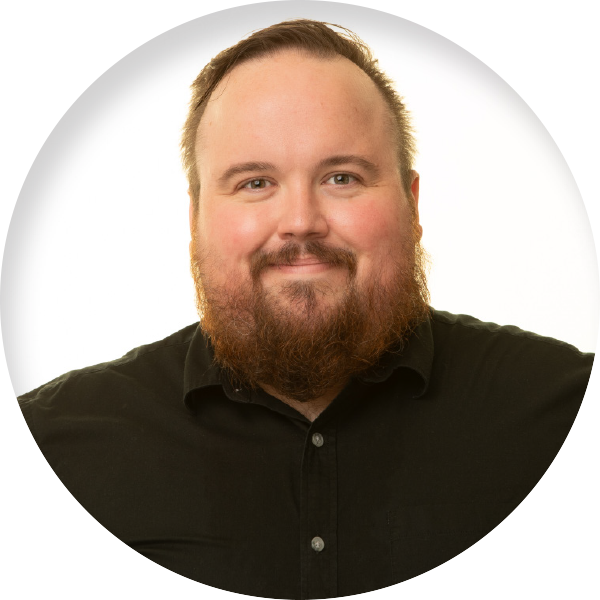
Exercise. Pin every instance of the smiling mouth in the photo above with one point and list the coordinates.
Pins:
(303, 266)
(313, 257)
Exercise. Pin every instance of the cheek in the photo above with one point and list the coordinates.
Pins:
(232, 234)
(373, 229)
(378, 231)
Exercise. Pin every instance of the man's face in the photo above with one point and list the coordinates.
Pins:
(302, 222)
(293, 149)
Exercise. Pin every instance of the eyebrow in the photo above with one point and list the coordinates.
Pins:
(245, 168)
(345, 159)
(331, 161)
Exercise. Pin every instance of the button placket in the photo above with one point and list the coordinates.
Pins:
(319, 575)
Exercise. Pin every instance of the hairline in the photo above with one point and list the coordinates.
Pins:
(308, 53)
(359, 54)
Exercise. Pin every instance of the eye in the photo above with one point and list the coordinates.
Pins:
(341, 179)
(257, 184)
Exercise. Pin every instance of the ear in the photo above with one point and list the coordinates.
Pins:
(414, 188)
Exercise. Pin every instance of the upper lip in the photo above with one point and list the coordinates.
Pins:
(298, 262)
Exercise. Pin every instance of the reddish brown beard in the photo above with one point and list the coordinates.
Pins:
(299, 348)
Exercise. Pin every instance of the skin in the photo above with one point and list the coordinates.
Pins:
(324, 168)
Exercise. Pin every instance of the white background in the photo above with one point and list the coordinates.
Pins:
(54, 52)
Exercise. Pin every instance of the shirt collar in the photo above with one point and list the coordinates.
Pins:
(415, 358)
(200, 370)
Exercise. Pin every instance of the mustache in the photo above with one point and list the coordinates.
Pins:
(290, 251)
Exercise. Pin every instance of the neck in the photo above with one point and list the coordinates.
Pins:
(311, 409)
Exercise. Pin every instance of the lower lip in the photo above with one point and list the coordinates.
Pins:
(308, 269)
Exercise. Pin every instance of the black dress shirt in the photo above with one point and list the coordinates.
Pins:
(410, 465)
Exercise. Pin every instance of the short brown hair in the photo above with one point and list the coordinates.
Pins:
(315, 38)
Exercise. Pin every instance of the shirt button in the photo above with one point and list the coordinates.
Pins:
(317, 544)
(317, 440)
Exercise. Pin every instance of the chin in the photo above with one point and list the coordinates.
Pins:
(306, 296)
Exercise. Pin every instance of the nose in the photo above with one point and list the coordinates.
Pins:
(301, 215)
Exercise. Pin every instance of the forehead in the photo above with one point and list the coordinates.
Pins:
(292, 100)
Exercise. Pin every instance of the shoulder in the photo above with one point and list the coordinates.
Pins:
(502, 399)
(97, 388)
(508, 363)
(472, 333)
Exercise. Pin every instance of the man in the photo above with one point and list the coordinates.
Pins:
(323, 431)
